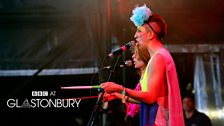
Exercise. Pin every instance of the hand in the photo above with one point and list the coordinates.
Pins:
(111, 87)
(109, 97)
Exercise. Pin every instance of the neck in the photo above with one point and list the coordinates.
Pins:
(189, 114)
(142, 70)
(154, 46)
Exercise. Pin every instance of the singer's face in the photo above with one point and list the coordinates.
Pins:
(139, 64)
(141, 36)
(188, 104)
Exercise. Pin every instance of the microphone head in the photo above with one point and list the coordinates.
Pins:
(122, 48)
(128, 63)
(130, 44)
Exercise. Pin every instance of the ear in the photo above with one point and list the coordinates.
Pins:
(150, 35)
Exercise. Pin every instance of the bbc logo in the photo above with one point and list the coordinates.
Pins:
(39, 93)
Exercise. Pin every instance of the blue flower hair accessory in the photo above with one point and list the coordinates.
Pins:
(140, 15)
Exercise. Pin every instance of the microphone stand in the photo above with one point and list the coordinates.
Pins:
(97, 106)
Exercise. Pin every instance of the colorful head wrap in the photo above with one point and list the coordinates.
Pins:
(140, 15)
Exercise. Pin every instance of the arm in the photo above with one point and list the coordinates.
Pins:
(112, 96)
(128, 99)
(155, 81)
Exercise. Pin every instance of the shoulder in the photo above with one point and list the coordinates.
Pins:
(200, 113)
(202, 116)
(159, 55)
(157, 63)
(158, 59)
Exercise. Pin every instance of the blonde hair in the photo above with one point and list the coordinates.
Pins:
(143, 55)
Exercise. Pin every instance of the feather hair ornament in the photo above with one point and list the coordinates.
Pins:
(140, 15)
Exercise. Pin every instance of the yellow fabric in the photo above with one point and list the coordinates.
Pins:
(144, 80)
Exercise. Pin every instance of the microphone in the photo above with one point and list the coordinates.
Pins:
(121, 49)
(126, 63)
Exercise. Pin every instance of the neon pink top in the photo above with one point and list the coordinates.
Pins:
(156, 115)
(132, 108)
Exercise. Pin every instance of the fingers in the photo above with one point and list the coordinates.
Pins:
(103, 85)
(111, 87)
(106, 97)
(106, 86)
(114, 94)
(109, 97)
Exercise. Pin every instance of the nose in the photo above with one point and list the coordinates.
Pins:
(133, 56)
(135, 36)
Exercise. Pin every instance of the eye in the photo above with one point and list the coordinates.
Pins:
(138, 30)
